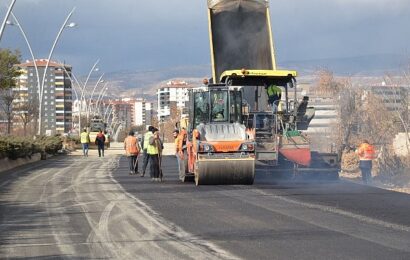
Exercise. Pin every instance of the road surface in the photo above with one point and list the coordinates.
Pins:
(71, 207)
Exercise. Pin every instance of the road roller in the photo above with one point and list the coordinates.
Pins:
(218, 147)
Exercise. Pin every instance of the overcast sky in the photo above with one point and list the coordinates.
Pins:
(141, 35)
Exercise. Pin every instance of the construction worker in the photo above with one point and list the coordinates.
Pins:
(144, 144)
(85, 141)
(132, 151)
(154, 150)
(366, 153)
(181, 152)
(274, 95)
(175, 134)
(100, 142)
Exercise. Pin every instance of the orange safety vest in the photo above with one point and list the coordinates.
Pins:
(366, 152)
(131, 146)
(181, 140)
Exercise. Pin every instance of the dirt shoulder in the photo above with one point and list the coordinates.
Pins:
(396, 183)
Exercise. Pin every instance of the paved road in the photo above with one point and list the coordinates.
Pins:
(77, 208)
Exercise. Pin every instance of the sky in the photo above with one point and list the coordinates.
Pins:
(137, 35)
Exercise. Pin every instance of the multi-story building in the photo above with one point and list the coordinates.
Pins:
(57, 94)
(173, 91)
(142, 112)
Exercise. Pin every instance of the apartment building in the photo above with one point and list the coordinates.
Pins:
(143, 111)
(57, 94)
(172, 91)
(132, 112)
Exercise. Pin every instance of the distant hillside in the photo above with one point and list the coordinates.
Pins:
(147, 79)
(370, 65)
(138, 82)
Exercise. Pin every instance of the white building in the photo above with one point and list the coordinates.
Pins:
(173, 91)
(142, 112)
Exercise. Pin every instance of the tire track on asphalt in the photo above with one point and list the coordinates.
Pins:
(175, 238)
(350, 224)
(65, 247)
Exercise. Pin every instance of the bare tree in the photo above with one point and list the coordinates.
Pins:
(27, 112)
(7, 97)
(168, 125)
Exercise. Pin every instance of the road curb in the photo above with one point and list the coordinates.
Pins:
(8, 164)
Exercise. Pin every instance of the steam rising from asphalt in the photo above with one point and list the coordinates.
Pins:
(240, 35)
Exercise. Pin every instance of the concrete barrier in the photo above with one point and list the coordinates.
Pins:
(7, 164)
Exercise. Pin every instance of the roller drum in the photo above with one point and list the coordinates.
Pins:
(225, 172)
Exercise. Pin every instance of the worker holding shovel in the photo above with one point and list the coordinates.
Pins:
(132, 151)
(154, 151)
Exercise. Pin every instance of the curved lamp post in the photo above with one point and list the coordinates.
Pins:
(3, 25)
(65, 25)
(93, 68)
(100, 80)
(17, 23)
(103, 91)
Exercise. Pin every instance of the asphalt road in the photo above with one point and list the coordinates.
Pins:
(71, 207)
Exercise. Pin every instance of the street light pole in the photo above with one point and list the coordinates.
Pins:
(101, 95)
(65, 25)
(82, 94)
(92, 94)
(3, 25)
(17, 23)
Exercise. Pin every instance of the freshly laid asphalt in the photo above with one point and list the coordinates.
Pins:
(90, 208)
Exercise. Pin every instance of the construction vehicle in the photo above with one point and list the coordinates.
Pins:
(97, 124)
(244, 65)
(220, 150)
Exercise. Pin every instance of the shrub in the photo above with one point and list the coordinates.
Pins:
(50, 145)
(15, 147)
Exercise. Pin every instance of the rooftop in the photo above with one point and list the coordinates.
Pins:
(42, 63)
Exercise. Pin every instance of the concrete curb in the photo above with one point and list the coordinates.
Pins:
(7, 164)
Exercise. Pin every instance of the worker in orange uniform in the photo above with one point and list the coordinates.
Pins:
(132, 151)
(181, 152)
(366, 153)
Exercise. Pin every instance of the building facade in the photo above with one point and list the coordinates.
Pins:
(57, 94)
(173, 91)
(142, 112)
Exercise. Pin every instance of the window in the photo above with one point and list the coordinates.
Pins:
(201, 108)
(235, 102)
(219, 106)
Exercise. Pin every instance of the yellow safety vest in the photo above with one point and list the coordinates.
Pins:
(151, 149)
(85, 138)
(146, 139)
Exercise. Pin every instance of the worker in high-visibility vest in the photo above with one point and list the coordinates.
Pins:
(132, 151)
(154, 151)
(366, 153)
(85, 141)
(274, 95)
(144, 144)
